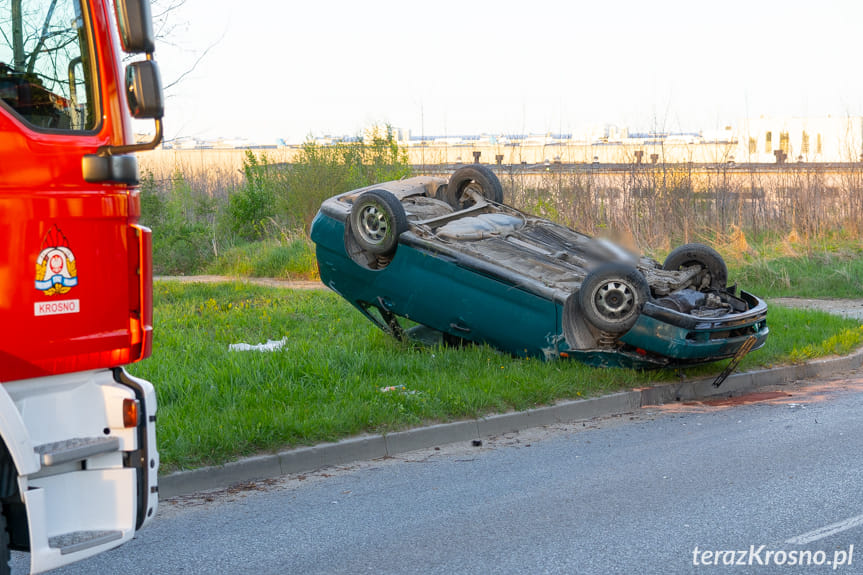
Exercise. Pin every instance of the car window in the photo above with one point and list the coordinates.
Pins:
(45, 67)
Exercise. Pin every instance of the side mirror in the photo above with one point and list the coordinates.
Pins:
(144, 90)
(136, 25)
(143, 94)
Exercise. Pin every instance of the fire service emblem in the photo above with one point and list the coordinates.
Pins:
(56, 270)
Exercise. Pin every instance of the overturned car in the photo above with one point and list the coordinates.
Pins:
(450, 256)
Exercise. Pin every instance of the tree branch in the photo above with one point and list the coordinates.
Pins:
(35, 53)
(194, 65)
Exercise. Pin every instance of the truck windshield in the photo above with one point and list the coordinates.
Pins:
(45, 69)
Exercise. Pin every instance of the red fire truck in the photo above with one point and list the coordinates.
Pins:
(78, 459)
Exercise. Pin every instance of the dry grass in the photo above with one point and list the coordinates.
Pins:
(648, 208)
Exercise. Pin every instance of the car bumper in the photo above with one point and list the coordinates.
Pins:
(685, 338)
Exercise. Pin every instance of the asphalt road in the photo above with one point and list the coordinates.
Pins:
(777, 480)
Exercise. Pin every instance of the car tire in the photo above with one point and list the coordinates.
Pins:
(699, 254)
(611, 297)
(377, 220)
(478, 177)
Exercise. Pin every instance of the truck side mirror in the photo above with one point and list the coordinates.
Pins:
(144, 90)
(136, 25)
(143, 94)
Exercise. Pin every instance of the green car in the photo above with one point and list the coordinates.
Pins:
(451, 258)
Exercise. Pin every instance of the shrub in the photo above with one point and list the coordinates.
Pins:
(183, 224)
(253, 204)
(319, 172)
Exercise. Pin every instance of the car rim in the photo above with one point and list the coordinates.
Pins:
(614, 300)
(373, 224)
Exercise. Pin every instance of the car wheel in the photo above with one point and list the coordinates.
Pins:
(475, 177)
(377, 220)
(612, 295)
(698, 254)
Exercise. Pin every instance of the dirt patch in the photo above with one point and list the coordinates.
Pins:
(742, 399)
(796, 394)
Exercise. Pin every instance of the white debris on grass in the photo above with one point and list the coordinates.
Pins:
(271, 345)
(399, 388)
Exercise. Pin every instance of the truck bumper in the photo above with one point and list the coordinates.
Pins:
(87, 480)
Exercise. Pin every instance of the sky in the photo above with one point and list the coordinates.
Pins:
(268, 69)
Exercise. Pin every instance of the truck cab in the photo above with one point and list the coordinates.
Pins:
(78, 458)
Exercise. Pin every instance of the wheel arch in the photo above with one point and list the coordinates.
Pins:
(375, 252)
(17, 458)
(17, 445)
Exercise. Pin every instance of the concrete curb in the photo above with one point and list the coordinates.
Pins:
(366, 447)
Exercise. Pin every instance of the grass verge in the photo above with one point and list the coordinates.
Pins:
(825, 275)
(325, 383)
(286, 259)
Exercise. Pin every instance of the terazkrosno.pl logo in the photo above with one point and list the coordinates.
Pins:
(56, 270)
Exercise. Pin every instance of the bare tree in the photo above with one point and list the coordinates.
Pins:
(36, 34)
(166, 25)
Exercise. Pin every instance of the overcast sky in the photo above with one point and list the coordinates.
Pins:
(288, 69)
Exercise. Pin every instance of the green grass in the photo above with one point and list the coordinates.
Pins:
(325, 383)
(289, 259)
(824, 275)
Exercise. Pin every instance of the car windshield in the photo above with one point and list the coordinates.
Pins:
(45, 71)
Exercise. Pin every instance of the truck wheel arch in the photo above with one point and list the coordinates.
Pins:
(15, 437)
(17, 458)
